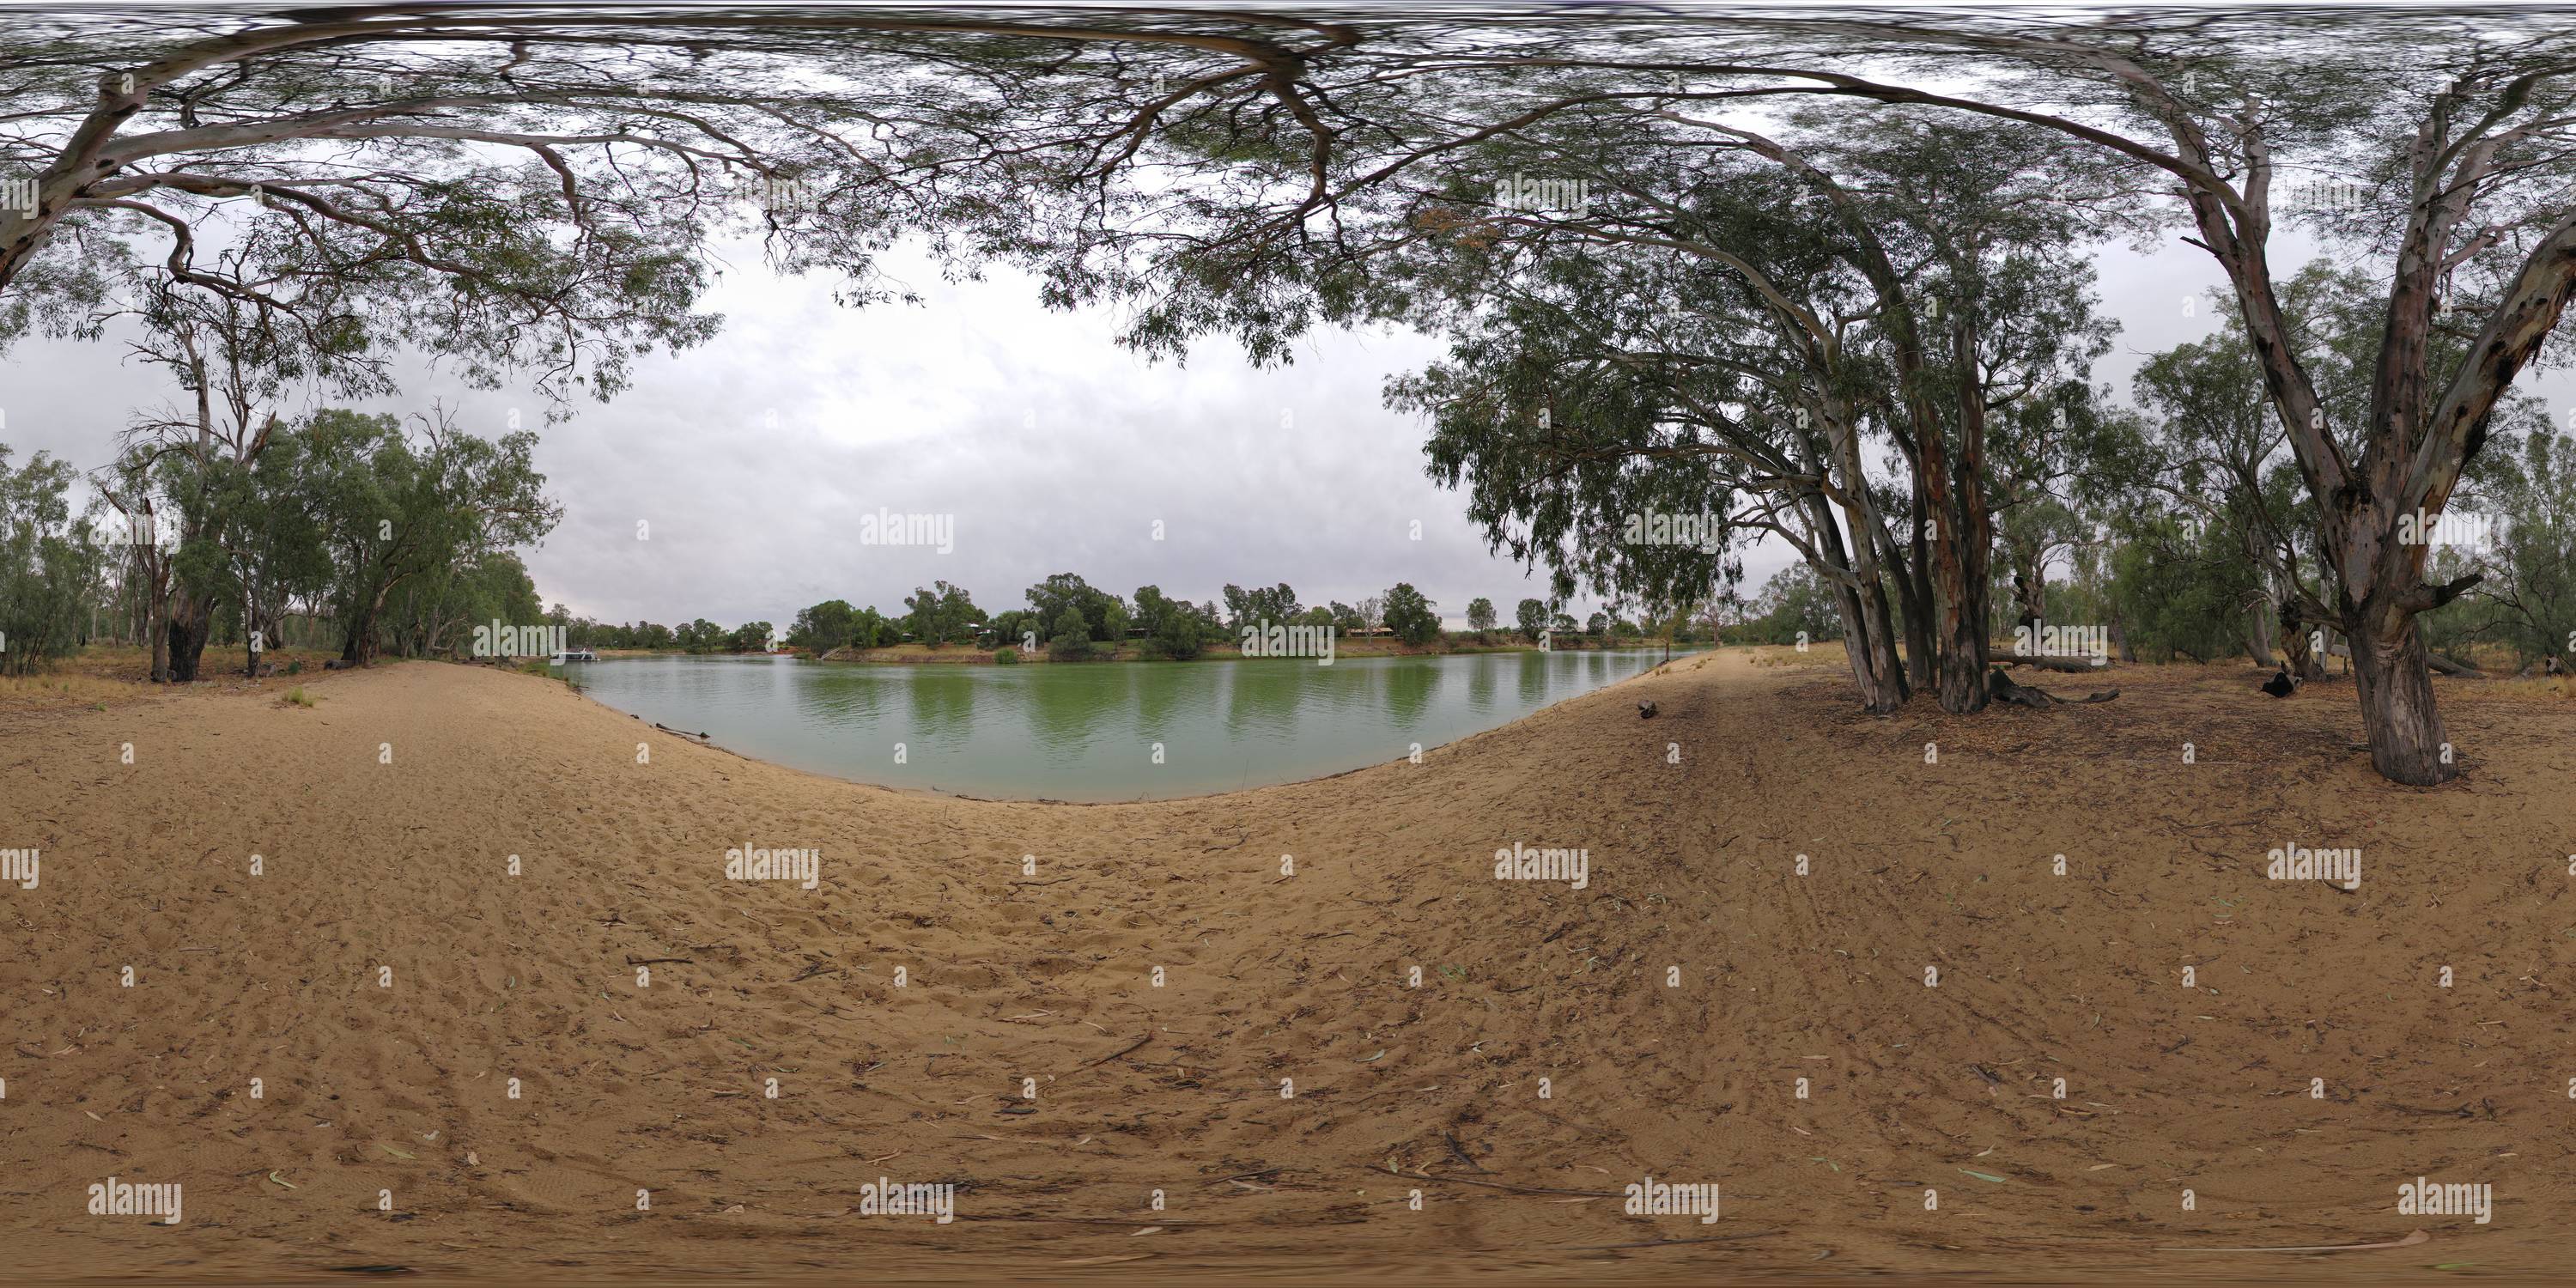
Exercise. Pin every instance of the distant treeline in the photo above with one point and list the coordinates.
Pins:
(1072, 619)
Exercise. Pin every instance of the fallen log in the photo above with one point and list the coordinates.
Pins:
(2001, 688)
(2448, 667)
(2067, 665)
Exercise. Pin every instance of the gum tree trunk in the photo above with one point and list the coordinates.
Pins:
(2407, 741)
(185, 640)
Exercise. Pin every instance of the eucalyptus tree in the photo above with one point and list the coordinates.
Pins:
(235, 359)
(253, 541)
(2449, 133)
(51, 564)
(399, 505)
(1787, 309)
(2536, 594)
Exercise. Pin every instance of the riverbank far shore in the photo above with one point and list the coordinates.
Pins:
(1302, 1030)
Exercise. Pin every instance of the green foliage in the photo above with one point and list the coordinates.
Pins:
(1259, 606)
(941, 615)
(1531, 617)
(1006, 656)
(1012, 625)
(1797, 602)
(1410, 615)
(2533, 587)
(2180, 592)
(1173, 627)
(824, 626)
(1104, 616)
(1480, 614)
(1070, 640)
(701, 636)
(394, 507)
(49, 565)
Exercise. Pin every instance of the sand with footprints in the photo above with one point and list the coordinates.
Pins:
(1461, 1075)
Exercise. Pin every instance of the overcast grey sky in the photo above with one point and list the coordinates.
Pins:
(751, 458)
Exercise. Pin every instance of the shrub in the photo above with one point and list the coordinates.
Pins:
(1071, 641)
(1006, 657)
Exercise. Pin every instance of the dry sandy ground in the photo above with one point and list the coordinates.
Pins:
(1670, 1007)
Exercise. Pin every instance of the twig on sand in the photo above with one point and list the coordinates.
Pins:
(1461, 1152)
(1674, 1243)
(1117, 1053)
(633, 960)
(1498, 1185)
(2409, 1241)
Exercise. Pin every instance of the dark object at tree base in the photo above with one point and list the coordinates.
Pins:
(339, 664)
(2000, 687)
(2068, 665)
(2280, 685)
(1645, 711)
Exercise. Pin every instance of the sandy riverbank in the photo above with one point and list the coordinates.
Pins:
(1011, 976)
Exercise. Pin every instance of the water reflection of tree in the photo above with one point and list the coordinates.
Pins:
(1165, 698)
(1068, 703)
(1481, 674)
(943, 708)
(1534, 676)
(1266, 696)
(1409, 688)
(832, 694)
